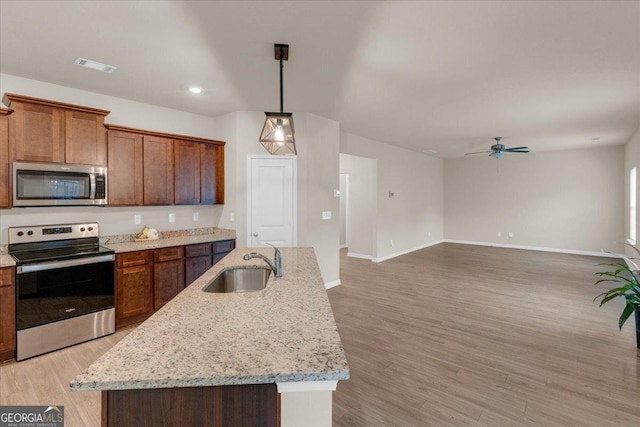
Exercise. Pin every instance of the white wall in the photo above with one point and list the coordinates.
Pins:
(115, 220)
(317, 143)
(362, 204)
(413, 217)
(631, 160)
(568, 200)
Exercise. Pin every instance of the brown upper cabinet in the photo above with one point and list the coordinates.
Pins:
(157, 155)
(124, 156)
(55, 132)
(187, 172)
(176, 169)
(5, 163)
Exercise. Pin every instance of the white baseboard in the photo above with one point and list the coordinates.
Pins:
(354, 255)
(397, 254)
(537, 248)
(332, 284)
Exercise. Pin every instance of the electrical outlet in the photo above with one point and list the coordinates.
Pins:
(391, 243)
(172, 217)
(511, 235)
(137, 219)
(196, 216)
(428, 234)
(326, 215)
(232, 217)
(499, 233)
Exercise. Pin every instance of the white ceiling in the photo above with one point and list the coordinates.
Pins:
(443, 76)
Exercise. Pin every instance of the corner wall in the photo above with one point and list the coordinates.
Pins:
(413, 217)
(565, 200)
(317, 143)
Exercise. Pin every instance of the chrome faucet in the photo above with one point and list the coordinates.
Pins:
(276, 266)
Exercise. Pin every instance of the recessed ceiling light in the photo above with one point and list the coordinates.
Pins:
(595, 139)
(194, 89)
(94, 65)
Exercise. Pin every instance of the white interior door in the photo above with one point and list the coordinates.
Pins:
(272, 201)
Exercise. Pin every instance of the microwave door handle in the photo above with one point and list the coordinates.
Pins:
(92, 181)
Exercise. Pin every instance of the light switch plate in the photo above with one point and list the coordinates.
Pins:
(326, 215)
(172, 217)
(336, 193)
(137, 219)
(196, 216)
(232, 217)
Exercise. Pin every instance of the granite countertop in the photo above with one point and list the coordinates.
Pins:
(219, 234)
(283, 333)
(6, 260)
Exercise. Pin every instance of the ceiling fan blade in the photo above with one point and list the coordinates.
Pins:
(479, 152)
(516, 149)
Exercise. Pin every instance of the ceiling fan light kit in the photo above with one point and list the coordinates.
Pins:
(498, 150)
(277, 135)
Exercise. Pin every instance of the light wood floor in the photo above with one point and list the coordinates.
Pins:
(468, 335)
(449, 335)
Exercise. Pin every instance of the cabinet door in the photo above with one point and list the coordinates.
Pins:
(124, 167)
(212, 174)
(187, 172)
(168, 280)
(158, 170)
(7, 314)
(37, 133)
(134, 294)
(5, 163)
(85, 138)
(195, 267)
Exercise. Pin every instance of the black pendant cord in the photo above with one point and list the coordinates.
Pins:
(281, 95)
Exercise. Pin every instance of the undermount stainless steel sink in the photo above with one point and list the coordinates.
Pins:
(240, 279)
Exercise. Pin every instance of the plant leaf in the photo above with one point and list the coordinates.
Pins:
(628, 310)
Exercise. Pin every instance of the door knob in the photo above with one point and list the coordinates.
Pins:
(255, 234)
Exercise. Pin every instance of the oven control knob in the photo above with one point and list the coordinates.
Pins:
(30, 233)
(82, 228)
(20, 234)
(90, 228)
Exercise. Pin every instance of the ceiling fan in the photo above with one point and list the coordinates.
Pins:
(498, 150)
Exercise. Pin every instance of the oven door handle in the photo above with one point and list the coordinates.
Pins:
(50, 265)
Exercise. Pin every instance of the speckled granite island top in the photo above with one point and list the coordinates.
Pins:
(283, 333)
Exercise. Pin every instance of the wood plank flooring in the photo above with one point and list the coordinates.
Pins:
(449, 335)
(469, 335)
(44, 380)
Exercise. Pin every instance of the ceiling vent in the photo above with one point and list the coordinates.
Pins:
(87, 63)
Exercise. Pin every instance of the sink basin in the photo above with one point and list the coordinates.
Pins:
(241, 279)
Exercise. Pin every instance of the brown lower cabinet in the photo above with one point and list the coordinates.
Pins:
(7, 314)
(221, 406)
(168, 274)
(147, 280)
(134, 287)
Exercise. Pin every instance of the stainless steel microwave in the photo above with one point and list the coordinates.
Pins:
(54, 184)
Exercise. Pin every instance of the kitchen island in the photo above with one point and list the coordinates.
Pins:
(273, 354)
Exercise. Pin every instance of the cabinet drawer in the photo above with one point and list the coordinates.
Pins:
(223, 246)
(198, 250)
(168, 254)
(6, 276)
(130, 259)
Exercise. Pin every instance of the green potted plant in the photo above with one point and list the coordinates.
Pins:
(627, 287)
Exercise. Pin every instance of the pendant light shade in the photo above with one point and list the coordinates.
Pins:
(277, 134)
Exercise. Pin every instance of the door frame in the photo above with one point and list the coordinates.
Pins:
(294, 162)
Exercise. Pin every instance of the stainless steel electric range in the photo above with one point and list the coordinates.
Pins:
(64, 286)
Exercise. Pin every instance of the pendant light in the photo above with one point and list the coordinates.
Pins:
(277, 132)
